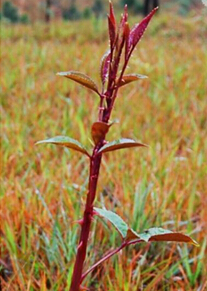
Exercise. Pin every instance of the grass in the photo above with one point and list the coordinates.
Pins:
(43, 187)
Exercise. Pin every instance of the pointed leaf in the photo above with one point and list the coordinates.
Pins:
(112, 33)
(160, 234)
(131, 235)
(139, 29)
(120, 144)
(66, 142)
(131, 78)
(99, 130)
(126, 36)
(112, 26)
(105, 66)
(115, 219)
(81, 79)
(124, 18)
(111, 15)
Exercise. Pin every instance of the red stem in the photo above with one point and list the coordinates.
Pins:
(95, 163)
(109, 255)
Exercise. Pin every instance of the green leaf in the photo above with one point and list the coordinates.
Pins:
(131, 78)
(152, 234)
(66, 142)
(115, 219)
(122, 143)
(81, 79)
(160, 234)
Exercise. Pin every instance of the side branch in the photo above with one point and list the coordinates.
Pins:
(109, 255)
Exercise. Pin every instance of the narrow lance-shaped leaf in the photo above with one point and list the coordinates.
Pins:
(111, 15)
(122, 143)
(139, 29)
(99, 130)
(160, 234)
(124, 17)
(126, 36)
(115, 219)
(81, 79)
(112, 26)
(122, 27)
(66, 142)
(105, 66)
(131, 78)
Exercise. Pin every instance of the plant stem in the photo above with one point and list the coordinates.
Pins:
(106, 257)
(95, 163)
(109, 255)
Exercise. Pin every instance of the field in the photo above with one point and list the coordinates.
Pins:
(44, 187)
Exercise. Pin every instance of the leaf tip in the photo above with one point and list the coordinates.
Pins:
(195, 243)
(38, 142)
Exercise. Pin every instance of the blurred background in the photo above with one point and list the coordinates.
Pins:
(24, 11)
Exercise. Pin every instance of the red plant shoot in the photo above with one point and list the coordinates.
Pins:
(113, 65)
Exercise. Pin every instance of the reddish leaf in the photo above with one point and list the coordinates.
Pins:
(124, 17)
(105, 66)
(111, 15)
(81, 79)
(139, 29)
(131, 235)
(126, 36)
(112, 26)
(122, 143)
(160, 234)
(175, 236)
(66, 142)
(131, 78)
(99, 130)
(122, 25)
(112, 32)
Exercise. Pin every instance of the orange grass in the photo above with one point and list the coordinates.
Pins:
(43, 189)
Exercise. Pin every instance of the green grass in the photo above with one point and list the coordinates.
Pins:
(44, 188)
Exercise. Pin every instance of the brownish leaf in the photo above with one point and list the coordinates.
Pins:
(160, 234)
(122, 143)
(131, 78)
(99, 130)
(81, 79)
(174, 236)
(66, 142)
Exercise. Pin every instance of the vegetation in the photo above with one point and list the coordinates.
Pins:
(71, 13)
(10, 13)
(43, 191)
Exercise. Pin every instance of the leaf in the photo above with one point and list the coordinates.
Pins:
(139, 29)
(126, 36)
(112, 26)
(120, 144)
(160, 234)
(81, 79)
(131, 78)
(152, 234)
(131, 235)
(99, 130)
(105, 66)
(115, 219)
(66, 142)
(111, 15)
